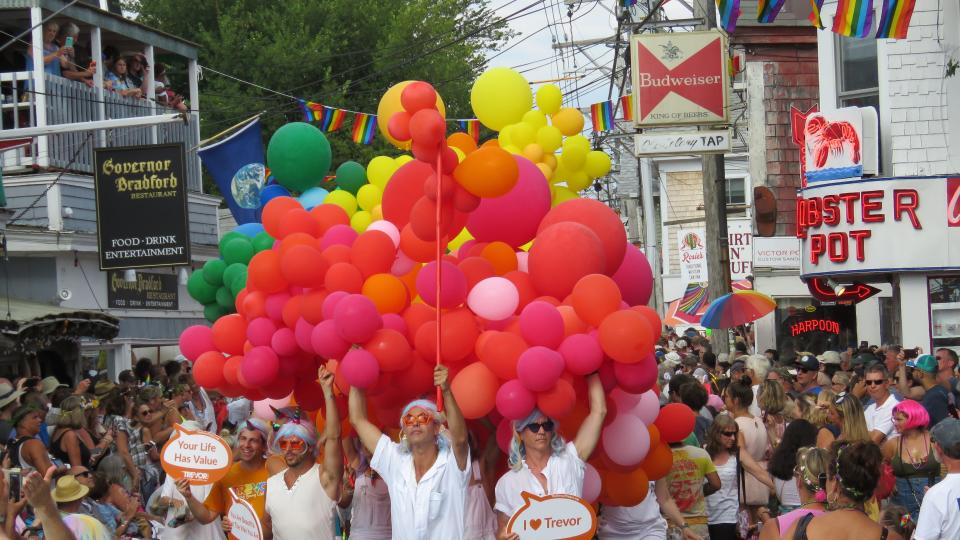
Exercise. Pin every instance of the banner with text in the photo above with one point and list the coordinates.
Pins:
(149, 291)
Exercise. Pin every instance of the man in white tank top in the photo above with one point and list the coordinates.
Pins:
(302, 500)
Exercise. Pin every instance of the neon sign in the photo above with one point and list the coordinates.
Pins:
(815, 325)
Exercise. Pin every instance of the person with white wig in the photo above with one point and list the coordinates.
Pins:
(428, 471)
(542, 463)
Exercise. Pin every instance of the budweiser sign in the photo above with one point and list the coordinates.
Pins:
(680, 78)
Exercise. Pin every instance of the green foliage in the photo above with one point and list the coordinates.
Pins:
(345, 53)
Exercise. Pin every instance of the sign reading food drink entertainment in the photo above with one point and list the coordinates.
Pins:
(198, 456)
(679, 78)
(141, 196)
(148, 291)
(553, 517)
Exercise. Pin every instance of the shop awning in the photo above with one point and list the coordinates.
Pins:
(32, 325)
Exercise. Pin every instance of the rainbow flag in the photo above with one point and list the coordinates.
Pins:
(626, 103)
(767, 10)
(307, 113)
(729, 13)
(602, 114)
(895, 19)
(316, 111)
(364, 128)
(470, 127)
(854, 18)
(332, 119)
(814, 17)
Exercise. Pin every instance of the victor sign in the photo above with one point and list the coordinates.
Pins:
(879, 225)
(679, 78)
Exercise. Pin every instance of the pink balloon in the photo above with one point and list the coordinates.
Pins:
(454, 286)
(626, 440)
(357, 318)
(338, 235)
(402, 265)
(625, 401)
(262, 410)
(634, 277)
(494, 298)
(541, 324)
(327, 342)
(260, 331)
(284, 342)
(274, 305)
(513, 218)
(591, 484)
(390, 229)
(260, 366)
(581, 353)
(538, 368)
(514, 401)
(196, 340)
(647, 408)
(394, 322)
(504, 435)
(523, 261)
(303, 332)
(360, 368)
(330, 303)
(638, 377)
(715, 401)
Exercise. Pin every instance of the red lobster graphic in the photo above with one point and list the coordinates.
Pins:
(831, 138)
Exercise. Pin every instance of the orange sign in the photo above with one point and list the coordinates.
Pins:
(554, 517)
(198, 456)
(244, 523)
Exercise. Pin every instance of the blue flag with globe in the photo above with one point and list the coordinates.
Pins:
(236, 164)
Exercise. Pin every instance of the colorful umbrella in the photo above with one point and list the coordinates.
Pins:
(736, 308)
(693, 304)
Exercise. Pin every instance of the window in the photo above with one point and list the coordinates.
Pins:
(857, 79)
(736, 191)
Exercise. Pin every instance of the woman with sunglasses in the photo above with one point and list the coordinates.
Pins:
(911, 456)
(71, 443)
(810, 475)
(428, 471)
(752, 439)
(846, 414)
(133, 450)
(542, 463)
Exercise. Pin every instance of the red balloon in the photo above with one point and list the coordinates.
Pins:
(415, 248)
(372, 253)
(475, 389)
(558, 401)
(634, 277)
(312, 306)
(344, 277)
(475, 269)
(425, 152)
(458, 337)
(231, 371)
(625, 336)
(279, 388)
(561, 255)
(416, 380)
(636, 378)
(328, 215)
(423, 218)
(524, 284)
(337, 253)
(650, 314)
(208, 370)
(594, 297)
(264, 273)
(229, 333)
(418, 95)
(465, 201)
(427, 127)
(274, 211)
(291, 311)
(297, 220)
(416, 316)
(398, 126)
(447, 187)
(309, 395)
(500, 352)
(675, 422)
(303, 266)
(600, 219)
(403, 191)
(391, 349)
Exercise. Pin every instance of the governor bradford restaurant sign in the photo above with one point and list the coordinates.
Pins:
(880, 225)
(148, 291)
(679, 78)
(141, 195)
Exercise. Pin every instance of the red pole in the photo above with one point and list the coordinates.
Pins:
(439, 255)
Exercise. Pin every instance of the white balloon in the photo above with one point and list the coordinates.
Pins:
(387, 228)
(494, 298)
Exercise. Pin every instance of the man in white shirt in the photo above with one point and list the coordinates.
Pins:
(940, 511)
(428, 472)
(757, 367)
(879, 414)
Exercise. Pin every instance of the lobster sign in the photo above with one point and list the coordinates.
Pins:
(832, 145)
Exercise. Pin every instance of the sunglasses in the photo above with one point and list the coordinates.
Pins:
(729, 433)
(84, 474)
(421, 419)
(535, 427)
(293, 445)
(874, 382)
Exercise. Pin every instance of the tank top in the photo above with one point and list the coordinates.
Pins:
(56, 449)
(479, 521)
(302, 511)
(370, 511)
(901, 469)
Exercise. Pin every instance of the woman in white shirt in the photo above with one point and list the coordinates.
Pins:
(645, 520)
(799, 434)
(542, 463)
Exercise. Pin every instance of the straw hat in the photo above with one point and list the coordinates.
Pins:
(8, 394)
(49, 384)
(69, 490)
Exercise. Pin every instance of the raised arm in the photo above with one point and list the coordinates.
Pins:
(368, 433)
(456, 424)
(199, 510)
(331, 474)
(589, 433)
(37, 491)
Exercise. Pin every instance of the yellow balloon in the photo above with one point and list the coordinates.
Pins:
(460, 239)
(550, 160)
(568, 121)
(560, 172)
(389, 104)
(402, 160)
(547, 171)
(505, 137)
(500, 96)
(512, 148)
(377, 213)
(525, 247)
(549, 98)
(561, 194)
(533, 152)
(369, 196)
(361, 220)
(380, 169)
(459, 153)
(535, 118)
(573, 158)
(522, 134)
(578, 141)
(343, 199)
(597, 164)
(549, 138)
(578, 181)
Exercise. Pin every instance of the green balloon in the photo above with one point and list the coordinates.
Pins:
(351, 176)
(227, 238)
(199, 289)
(237, 250)
(214, 311)
(298, 156)
(262, 242)
(238, 283)
(213, 271)
(224, 298)
(232, 272)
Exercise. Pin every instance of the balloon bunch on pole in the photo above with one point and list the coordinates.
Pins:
(528, 294)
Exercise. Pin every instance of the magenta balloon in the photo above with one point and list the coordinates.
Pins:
(634, 277)
(638, 377)
(626, 440)
(260, 331)
(647, 408)
(357, 318)
(394, 322)
(514, 401)
(581, 353)
(303, 332)
(331, 301)
(327, 342)
(454, 286)
(196, 340)
(360, 368)
(591, 484)
(538, 368)
(260, 366)
(541, 324)
(513, 218)
(284, 342)
(339, 234)
(274, 305)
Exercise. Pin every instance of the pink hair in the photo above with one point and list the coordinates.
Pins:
(917, 415)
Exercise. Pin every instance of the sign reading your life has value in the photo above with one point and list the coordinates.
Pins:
(554, 517)
(198, 456)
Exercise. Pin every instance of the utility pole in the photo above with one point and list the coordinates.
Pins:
(715, 208)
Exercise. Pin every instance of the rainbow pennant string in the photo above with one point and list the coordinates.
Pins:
(729, 13)
(364, 128)
(895, 19)
(332, 119)
(854, 18)
(471, 128)
(626, 103)
(767, 10)
(602, 114)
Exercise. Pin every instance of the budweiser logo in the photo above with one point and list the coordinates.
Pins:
(698, 79)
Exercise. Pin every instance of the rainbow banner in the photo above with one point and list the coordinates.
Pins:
(814, 17)
(305, 109)
(854, 18)
(602, 114)
(767, 10)
(729, 13)
(895, 19)
(332, 119)
(627, 104)
(364, 128)
(470, 127)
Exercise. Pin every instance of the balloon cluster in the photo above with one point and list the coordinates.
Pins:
(519, 329)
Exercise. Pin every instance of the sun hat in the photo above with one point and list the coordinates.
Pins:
(69, 490)
(8, 394)
(49, 384)
(830, 357)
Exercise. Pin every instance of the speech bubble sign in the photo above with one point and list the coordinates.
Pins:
(198, 456)
(554, 517)
(244, 523)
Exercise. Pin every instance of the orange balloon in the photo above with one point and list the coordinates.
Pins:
(303, 266)
(625, 336)
(410, 281)
(570, 424)
(291, 311)
(594, 297)
(475, 389)
(571, 322)
(415, 248)
(524, 285)
(343, 277)
(264, 274)
(338, 253)
(387, 291)
(501, 255)
(297, 220)
(558, 401)
(626, 489)
(658, 462)
(491, 143)
(462, 141)
(654, 435)
(500, 352)
(328, 215)
(312, 306)
(458, 335)
(274, 211)
(229, 333)
(372, 253)
(416, 316)
(295, 239)
(650, 314)
(488, 172)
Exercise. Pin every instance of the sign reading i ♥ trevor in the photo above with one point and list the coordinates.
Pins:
(198, 456)
(244, 523)
(554, 517)
(141, 196)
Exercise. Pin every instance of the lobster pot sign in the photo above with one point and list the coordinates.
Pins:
(840, 144)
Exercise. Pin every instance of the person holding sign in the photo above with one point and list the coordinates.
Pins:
(542, 463)
(428, 471)
(247, 478)
(302, 500)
